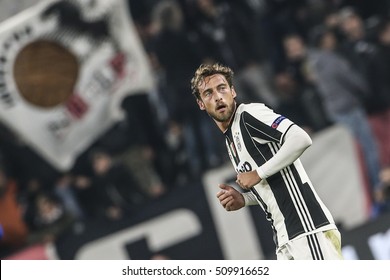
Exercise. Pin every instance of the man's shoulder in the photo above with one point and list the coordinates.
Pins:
(252, 108)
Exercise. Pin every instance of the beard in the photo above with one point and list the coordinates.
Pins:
(225, 116)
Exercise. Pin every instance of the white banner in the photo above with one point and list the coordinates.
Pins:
(65, 66)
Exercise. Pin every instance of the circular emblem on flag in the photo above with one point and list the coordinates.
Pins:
(45, 73)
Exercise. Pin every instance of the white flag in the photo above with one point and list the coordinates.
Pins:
(65, 66)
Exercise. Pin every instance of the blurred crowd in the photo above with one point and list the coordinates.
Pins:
(318, 62)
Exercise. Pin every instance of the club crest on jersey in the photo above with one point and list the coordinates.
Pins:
(276, 122)
(238, 142)
(233, 150)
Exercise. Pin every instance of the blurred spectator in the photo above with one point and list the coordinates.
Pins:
(254, 11)
(141, 126)
(172, 43)
(86, 195)
(13, 229)
(298, 105)
(50, 220)
(227, 37)
(136, 143)
(339, 86)
(329, 26)
(359, 51)
(176, 141)
(371, 60)
(44, 213)
(138, 161)
(28, 199)
(178, 167)
(325, 39)
(13, 149)
(380, 72)
(367, 8)
(64, 190)
(110, 191)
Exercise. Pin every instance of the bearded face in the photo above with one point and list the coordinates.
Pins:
(217, 99)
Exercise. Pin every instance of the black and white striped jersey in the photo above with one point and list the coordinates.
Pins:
(287, 197)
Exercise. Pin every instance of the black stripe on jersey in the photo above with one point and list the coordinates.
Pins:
(259, 152)
(310, 245)
(315, 248)
(318, 246)
(259, 129)
(287, 205)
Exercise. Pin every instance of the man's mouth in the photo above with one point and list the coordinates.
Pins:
(220, 107)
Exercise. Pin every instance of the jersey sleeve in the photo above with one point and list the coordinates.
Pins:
(296, 142)
(249, 199)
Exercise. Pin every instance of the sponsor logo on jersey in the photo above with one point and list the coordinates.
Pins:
(244, 167)
(276, 122)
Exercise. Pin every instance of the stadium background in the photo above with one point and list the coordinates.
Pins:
(101, 141)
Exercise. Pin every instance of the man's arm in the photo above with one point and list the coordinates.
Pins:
(249, 199)
(296, 141)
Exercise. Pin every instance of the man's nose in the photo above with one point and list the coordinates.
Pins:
(217, 96)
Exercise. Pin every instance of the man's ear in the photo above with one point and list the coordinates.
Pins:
(234, 94)
(201, 104)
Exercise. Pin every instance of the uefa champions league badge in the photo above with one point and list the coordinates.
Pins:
(276, 122)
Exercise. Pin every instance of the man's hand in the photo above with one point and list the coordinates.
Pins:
(247, 180)
(230, 198)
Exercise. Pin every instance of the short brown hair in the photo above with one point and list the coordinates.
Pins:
(206, 70)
